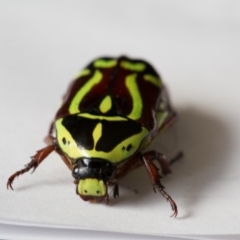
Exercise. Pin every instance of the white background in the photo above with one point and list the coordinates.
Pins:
(195, 47)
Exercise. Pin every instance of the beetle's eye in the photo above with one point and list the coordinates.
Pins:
(75, 172)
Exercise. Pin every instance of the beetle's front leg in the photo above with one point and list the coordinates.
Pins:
(114, 183)
(33, 164)
(153, 155)
(155, 178)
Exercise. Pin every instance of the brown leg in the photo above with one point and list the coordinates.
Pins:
(36, 160)
(147, 160)
(65, 159)
(155, 178)
(176, 158)
(168, 123)
(128, 166)
(135, 163)
(153, 155)
(116, 191)
(122, 171)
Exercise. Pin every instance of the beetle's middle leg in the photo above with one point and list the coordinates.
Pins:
(155, 177)
(135, 163)
(147, 159)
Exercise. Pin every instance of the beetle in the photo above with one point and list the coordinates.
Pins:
(111, 112)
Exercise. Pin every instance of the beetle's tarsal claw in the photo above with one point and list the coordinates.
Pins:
(9, 185)
(170, 200)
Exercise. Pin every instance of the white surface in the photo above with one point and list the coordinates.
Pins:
(50, 233)
(195, 47)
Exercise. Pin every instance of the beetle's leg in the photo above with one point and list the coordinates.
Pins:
(114, 183)
(107, 198)
(123, 170)
(155, 178)
(176, 158)
(134, 163)
(168, 123)
(36, 160)
(153, 155)
(67, 162)
(75, 181)
(64, 158)
(128, 166)
(116, 191)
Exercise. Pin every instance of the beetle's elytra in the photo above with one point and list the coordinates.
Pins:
(110, 114)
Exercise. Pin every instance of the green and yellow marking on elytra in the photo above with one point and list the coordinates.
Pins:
(83, 73)
(152, 79)
(135, 67)
(101, 63)
(97, 133)
(74, 106)
(100, 117)
(106, 104)
(132, 87)
(92, 187)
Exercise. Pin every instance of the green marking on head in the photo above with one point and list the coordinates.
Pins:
(74, 106)
(136, 97)
(92, 187)
(101, 63)
(152, 79)
(137, 67)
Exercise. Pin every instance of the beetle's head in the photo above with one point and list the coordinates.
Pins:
(91, 176)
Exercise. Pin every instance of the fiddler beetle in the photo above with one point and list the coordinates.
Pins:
(110, 114)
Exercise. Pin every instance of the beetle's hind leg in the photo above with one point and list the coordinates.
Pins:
(33, 164)
(147, 159)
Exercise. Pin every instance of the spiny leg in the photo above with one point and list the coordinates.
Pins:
(123, 170)
(33, 164)
(155, 178)
(162, 160)
(67, 162)
(65, 159)
(168, 123)
(135, 163)
(177, 157)
(128, 166)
